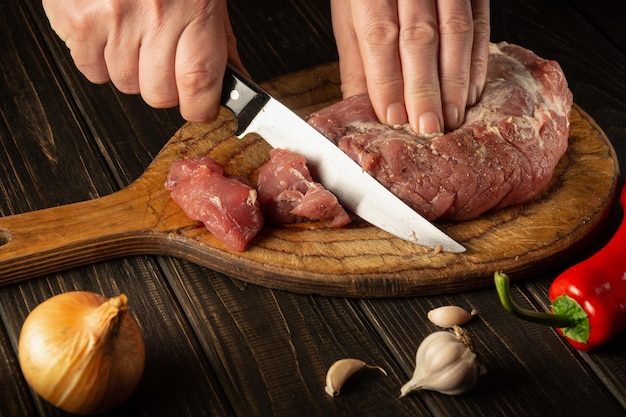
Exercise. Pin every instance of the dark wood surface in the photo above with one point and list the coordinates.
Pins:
(218, 346)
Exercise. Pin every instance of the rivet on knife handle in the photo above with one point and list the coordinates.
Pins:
(244, 98)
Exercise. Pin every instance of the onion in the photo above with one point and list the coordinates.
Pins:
(82, 352)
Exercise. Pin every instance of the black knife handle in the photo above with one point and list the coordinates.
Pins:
(242, 96)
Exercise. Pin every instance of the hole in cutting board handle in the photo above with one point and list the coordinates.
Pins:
(5, 237)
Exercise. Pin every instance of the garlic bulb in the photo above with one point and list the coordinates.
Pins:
(450, 316)
(341, 370)
(444, 363)
(82, 352)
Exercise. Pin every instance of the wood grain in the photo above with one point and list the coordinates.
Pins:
(359, 260)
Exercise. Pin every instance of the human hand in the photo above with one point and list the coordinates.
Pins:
(170, 52)
(421, 61)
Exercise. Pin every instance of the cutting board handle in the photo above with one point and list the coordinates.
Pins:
(45, 241)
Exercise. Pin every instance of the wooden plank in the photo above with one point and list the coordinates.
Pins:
(271, 349)
(36, 115)
(176, 369)
(278, 37)
(604, 361)
(523, 360)
(607, 17)
(15, 397)
(592, 63)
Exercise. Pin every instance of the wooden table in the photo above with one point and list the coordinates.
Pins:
(219, 346)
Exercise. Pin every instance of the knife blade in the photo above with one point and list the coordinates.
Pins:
(257, 111)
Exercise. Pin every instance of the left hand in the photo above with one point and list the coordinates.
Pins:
(421, 61)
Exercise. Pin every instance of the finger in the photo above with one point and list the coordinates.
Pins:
(480, 50)
(419, 51)
(87, 50)
(350, 61)
(457, 35)
(89, 59)
(377, 31)
(121, 55)
(83, 36)
(157, 57)
(200, 62)
(121, 52)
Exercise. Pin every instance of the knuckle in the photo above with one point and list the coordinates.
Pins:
(126, 82)
(428, 95)
(93, 68)
(93, 74)
(423, 33)
(86, 20)
(79, 23)
(457, 23)
(453, 83)
(482, 28)
(381, 33)
(160, 101)
(195, 78)
(114, 12)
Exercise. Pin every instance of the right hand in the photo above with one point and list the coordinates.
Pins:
(170, 52)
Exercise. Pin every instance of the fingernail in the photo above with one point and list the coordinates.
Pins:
(429, 124)
(396, 114)
(451, 115)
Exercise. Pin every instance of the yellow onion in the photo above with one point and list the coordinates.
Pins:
(82, 352)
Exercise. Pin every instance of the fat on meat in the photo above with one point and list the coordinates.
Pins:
(504, 154)
(228, 208)
(288, 194)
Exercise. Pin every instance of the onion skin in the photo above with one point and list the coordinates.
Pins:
(82, 351)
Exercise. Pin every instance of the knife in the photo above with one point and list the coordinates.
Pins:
(256, 111)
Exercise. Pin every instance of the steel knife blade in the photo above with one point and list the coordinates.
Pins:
(256, 111)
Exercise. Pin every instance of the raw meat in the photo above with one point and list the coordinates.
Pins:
(503, 155)
(228, 208)
(288, 194)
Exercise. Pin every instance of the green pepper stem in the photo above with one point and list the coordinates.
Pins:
(548, 319)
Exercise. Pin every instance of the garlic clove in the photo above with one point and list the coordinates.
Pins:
(450, 316)
(445, 363)
(341, 370)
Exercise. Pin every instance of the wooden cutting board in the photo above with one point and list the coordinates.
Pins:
(359, 260)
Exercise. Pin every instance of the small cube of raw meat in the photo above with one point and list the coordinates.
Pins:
(288, 194)
(228, 208)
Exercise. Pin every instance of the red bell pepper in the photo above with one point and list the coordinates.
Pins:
(588, 299)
